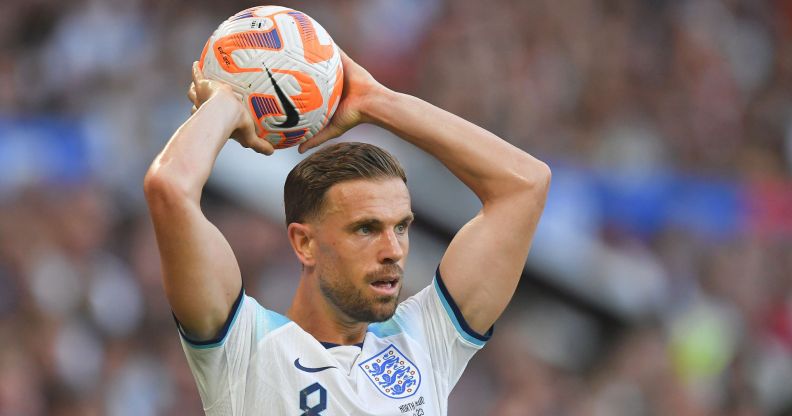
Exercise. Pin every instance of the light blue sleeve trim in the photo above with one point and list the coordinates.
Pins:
(385, 329)
(450, 312)
(268, 321)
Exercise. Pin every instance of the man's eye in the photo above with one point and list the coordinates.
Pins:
(364, 230)
(401, 228)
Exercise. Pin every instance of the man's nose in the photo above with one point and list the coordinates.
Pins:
(391, 250)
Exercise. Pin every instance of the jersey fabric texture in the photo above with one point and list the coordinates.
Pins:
(262, 363)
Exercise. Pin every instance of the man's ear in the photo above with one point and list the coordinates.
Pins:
(301, 238)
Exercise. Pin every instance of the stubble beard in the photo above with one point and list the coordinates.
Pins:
(354, 303)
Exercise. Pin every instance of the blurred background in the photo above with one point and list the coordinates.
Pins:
(660, 281)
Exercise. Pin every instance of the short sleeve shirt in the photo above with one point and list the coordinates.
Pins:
(264, 363)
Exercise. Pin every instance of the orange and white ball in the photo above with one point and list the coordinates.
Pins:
(283, 65)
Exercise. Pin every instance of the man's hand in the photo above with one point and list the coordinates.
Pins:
(360, 88)
(244, 130)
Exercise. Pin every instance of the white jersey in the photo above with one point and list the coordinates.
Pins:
(265, 364)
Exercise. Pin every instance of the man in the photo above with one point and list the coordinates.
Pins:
(344, 347)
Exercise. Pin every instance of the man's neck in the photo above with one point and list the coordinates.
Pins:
(316, 316)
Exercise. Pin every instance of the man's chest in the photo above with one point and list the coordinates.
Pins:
(383, 377)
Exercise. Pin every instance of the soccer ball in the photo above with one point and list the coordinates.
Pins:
(283, 65)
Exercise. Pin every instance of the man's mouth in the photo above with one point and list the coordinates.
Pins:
(386, 285)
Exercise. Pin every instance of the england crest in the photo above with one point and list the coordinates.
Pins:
(392, 373)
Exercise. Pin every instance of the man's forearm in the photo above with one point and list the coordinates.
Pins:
(188, 158)
(488, 165)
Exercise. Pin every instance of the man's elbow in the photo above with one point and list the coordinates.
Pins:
(161, 189)
(535, 178)
(525, 179)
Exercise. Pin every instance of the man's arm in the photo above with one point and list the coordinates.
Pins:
(483, 263)
(200, 273)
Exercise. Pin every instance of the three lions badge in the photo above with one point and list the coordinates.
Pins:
(392, 373)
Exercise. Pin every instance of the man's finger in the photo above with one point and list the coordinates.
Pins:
(260, 145)
(191, 95)
(327, 133)
(197, 75)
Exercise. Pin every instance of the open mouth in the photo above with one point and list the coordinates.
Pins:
(386, 284)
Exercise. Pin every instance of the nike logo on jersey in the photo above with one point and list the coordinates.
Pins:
(292, 116)
(310, 369)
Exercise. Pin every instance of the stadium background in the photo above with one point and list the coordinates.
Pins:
(660, 281)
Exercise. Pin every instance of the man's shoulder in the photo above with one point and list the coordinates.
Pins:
(266, 319)
(407, 318)
(258, 322)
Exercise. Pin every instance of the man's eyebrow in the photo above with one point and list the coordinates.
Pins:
(370, 221)
(365, 221)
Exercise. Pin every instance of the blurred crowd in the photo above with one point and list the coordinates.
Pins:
(624, 88)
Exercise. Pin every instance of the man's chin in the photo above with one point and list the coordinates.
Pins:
(381, 317)
(384, 309)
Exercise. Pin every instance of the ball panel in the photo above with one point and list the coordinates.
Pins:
(313, 50)
(335, 95)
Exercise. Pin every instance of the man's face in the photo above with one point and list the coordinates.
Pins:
(362, 243)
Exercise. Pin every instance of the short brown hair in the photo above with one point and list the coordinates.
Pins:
(308, 182)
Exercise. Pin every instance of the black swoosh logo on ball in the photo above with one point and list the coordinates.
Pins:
(292, 116)
(311, 369)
